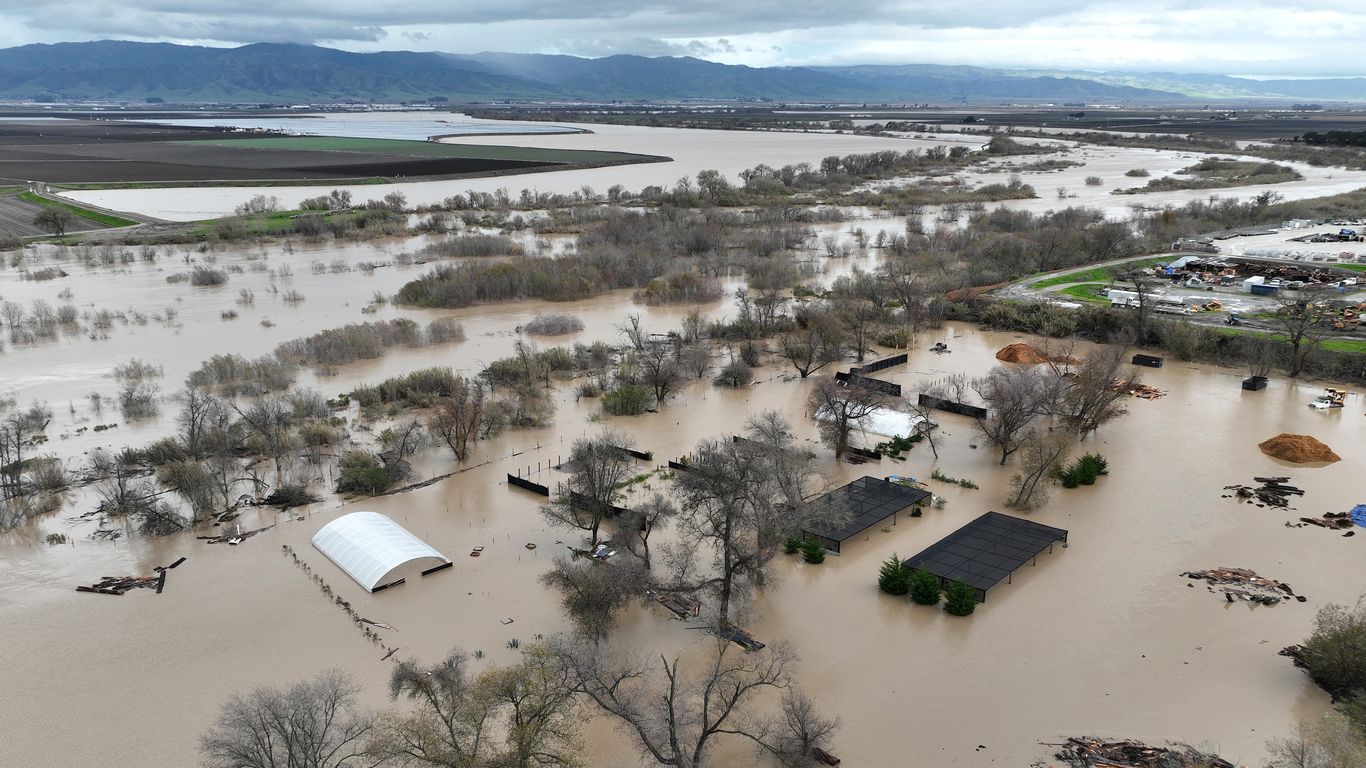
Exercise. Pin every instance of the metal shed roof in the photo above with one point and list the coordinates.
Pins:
(373, 549)
(987, 551)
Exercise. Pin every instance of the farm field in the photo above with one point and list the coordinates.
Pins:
(101, 154)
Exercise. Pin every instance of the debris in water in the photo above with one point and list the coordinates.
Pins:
(1273, 491)
(1090, 752)
(233, 538)
(1243, 584)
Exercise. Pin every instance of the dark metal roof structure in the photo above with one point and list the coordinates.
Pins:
(858, 506)
(987, 551)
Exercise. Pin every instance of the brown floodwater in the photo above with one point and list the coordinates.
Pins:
(1101, 637)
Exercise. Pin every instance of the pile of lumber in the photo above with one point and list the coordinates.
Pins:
(118, 585)
(1135, 389)
(1087, 752)
(1243, 584)
(1336, 521)
(1272, 492)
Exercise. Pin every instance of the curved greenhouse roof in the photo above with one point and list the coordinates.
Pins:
(374, 550)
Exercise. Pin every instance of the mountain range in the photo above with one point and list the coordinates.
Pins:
(130, 71)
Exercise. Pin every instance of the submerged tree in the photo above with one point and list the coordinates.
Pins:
(593, 592)
(598, 468)
(1092, 397)
(841, 409)
(313, 724)
(1014, 397)
(1303, 326)
(461, 418)
(1040, 459)
(640, 520)
(817, 342)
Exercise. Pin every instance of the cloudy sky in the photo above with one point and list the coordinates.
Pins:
(1299, 38)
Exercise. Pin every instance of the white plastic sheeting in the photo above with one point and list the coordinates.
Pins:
(371, 548)
(883, 421)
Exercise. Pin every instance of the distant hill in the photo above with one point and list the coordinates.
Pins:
(117, 70)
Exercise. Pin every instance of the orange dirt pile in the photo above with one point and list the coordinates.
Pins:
(1028, 354)
(1300, 449)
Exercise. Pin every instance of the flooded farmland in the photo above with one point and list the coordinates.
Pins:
(1103, 636)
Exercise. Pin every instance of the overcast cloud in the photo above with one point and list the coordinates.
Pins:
(1304, 38)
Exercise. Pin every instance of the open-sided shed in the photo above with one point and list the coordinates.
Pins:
(376, 551)
(858, 506)
(987, 551)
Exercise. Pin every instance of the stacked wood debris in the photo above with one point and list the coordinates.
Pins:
(1135, 389)
(1242, 584)
(1273, 492)
(1088, 752)
(1336, 521)
(118, 585)
(682, 606)
(234, 538)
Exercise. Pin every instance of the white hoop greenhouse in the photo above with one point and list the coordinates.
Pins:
(376, 551)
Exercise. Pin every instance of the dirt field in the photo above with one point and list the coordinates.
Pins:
(88, 152)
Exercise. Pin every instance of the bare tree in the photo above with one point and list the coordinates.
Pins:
(598, 468)
(1092, 397)
(659, 370)
(675, 715)
(1041, 456)
(633, 332)
(312, 725)
(801, 738)
(1014, 397)
(952, 388)
(269, 420)
(817, 342)
(54, 220)
(460, 419)
(641, 520)
(1302, 324)
(696, 359)
(1329, 742)
(451, 724)
(841, 409)
(536, 698)
(1260, 354)
(593, 592)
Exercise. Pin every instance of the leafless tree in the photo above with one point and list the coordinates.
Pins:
(1092, 397)
(269, 420)
(817, 341)
(674, 715)
(1329, 742)
(460, 419)
(598, 468)
(633, 332)
(952, 388)
(1014, 397)
(593, 592)
(1260, 354)
(1302, 325)
(1040, 458)
(696, 359)
(841, 409)
(641, 520)
(801, 735)
(659, 370)
(312, 725)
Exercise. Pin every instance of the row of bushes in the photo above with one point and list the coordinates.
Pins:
(896, 578)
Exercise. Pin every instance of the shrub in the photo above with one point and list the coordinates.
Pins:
(895, 577)
(813, 552)
(234, 375)
(1083, 471)
(552, 325)
(1094, 181)
(959, 599)
(445, 330)
(291, 495)
(923, 587)
(1137, 173)
(627, 400)
(791, 545)
(736, 374)
(358, 341)
(417, 388)
(361, 472)
(1335, 654)
(204, 276)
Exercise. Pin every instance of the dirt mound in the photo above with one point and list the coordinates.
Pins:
(1028, 354)
(1300, 449)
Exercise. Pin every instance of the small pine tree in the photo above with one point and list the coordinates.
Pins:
(895, 577)
(924, 588)
(813, 552)
(960, 600)
(791, 545)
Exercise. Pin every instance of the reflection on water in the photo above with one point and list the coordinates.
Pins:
(418, 126)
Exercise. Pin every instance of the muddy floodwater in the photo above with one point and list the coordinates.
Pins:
(1100, 637)
(733, 151)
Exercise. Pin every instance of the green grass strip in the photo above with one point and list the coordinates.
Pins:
(1097, 274)
(76, 210)
(1087, 292)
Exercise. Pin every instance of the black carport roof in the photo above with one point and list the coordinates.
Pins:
(986, 551)
(860, 505)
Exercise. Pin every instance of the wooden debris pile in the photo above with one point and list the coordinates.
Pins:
(1273, 492)
(1135, 389)
(1334, 521)
(1088, 752)
(234, 538)
(1243, 584)
(682, 606)
(118, 585)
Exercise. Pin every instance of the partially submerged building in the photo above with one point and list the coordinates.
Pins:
(854, 508)
(987, 551)
(376, 551)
